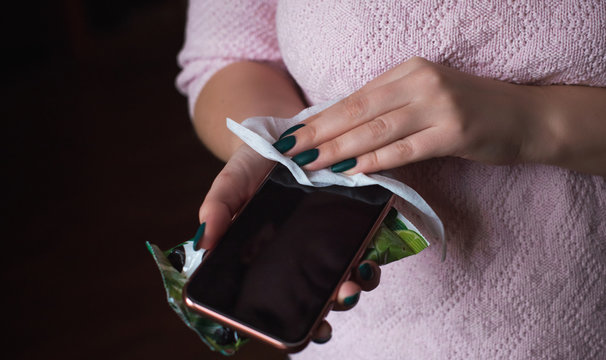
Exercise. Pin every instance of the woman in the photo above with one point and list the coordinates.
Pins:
(495, 112)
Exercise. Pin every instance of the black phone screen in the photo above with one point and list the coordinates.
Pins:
(281, 259)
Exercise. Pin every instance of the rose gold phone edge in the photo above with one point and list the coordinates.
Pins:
(288, 347)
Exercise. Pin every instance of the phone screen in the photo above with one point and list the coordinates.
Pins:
(281, 259)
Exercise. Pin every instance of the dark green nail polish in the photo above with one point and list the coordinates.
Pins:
(365, 271)
(305, 157)
(291, 130)
(285, 144)
(199, 234)
(344, 165)
(322, 341)
(352, 300)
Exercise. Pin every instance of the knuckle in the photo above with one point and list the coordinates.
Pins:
(229, 175)
(430, 75)
(404, 148)
(417, 61)
(310, 132)
(226, 175)
(333, 147)
(372, 160)
(379, 127)
(355, 106)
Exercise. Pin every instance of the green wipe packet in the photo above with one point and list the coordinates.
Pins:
(396, 239)
(172, 266)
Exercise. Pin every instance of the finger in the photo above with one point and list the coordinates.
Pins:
(368, 275)
(382, 94)
(391, 75)
(323, 333)
(347, 296)
(397, 72)
(221, 203)
(354, 110)
(423, 145)
(232, 187)
(217, 217)
(367, 137)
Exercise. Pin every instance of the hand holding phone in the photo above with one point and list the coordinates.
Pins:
(276, 272)
(231, 189)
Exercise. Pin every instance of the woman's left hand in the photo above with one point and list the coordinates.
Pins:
(416, 111)
(365, 278)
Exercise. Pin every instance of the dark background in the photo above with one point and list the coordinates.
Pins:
(100, 156)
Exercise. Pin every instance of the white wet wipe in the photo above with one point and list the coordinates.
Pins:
(262, 131)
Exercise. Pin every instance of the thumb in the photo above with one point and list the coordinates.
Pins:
(216, 215)
(232, 187)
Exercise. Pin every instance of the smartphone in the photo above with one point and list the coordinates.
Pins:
(274, 275)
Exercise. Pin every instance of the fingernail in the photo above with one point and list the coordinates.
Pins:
(365, 271)
(285, 144)
(344, 165)
(199, 234)
(305, 157)
(352, 300)
(291, 130)
(322, 341)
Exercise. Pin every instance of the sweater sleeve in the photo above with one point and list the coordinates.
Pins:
(219, 33)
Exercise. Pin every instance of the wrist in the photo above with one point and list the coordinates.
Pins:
(544, 139)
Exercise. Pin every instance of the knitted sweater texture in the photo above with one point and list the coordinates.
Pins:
(525, 274)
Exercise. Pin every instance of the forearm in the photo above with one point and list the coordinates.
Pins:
(572, 131)
(239, 91)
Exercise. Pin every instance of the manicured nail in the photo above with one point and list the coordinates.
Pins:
(285, 144)
(322, 341)
(199, 234)
(365, 271)
(344, 165)
(305, 157)
(352, 300)
(291, 130)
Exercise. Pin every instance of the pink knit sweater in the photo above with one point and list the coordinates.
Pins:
(525, 275)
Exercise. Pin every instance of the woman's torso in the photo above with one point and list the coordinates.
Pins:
(525, 275)
(332, 48)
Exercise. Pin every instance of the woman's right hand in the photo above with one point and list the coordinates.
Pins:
(232, 187)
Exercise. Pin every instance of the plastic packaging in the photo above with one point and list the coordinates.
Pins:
(396, 239)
